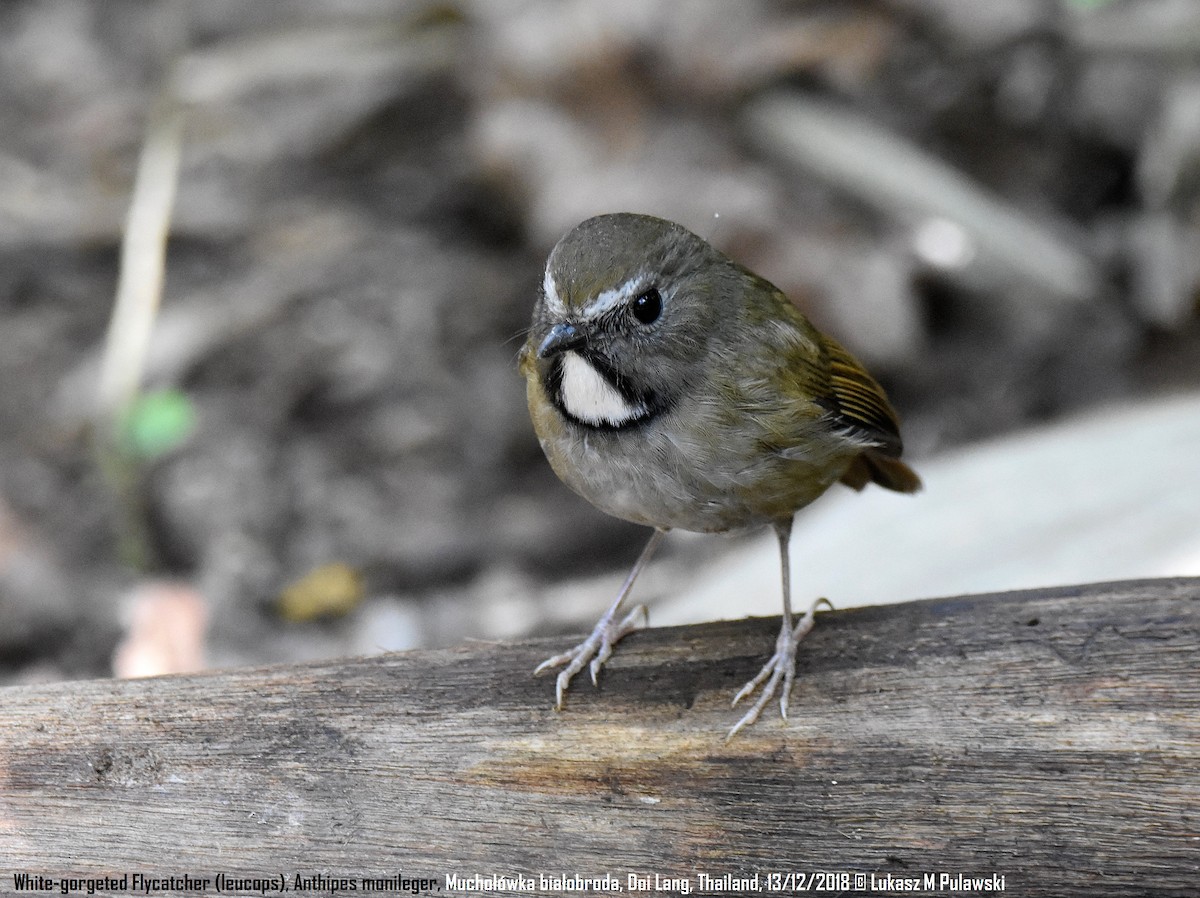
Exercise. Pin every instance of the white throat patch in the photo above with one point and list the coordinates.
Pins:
(591, 398)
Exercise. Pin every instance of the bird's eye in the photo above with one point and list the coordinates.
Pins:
(647, 306)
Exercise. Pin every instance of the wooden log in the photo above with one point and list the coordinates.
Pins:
(1051, 738)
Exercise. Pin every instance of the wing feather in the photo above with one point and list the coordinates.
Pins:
(859, 403)
(862, 408)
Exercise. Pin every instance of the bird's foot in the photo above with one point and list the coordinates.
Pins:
(596, 649)
(781, 666)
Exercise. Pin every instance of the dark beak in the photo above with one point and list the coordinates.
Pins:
(561, 338)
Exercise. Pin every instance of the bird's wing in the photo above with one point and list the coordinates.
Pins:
(862, 409)
(858, 404)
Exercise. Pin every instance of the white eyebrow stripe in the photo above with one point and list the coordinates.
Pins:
(615, 297)
(554, 304)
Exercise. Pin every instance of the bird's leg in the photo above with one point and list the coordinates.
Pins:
(782, 665)
(598, 647)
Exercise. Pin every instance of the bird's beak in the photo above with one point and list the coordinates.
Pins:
(561, 338)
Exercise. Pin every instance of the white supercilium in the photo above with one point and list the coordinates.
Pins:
(608, 299)
(591, 398)
(553, 302)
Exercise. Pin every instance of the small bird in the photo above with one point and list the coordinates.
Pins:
(672, 387)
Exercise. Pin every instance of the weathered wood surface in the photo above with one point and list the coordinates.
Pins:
(1052, 737)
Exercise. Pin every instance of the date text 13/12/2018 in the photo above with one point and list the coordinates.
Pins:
(842, 880)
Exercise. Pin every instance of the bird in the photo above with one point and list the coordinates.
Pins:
(672, 387)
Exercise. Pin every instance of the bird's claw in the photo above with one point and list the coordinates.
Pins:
(780, 666)
(593, 651)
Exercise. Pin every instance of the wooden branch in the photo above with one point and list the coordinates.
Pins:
(1050, 737)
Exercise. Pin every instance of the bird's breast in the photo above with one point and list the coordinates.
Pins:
(686, 468)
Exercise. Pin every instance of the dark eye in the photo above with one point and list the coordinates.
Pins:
(647, 306)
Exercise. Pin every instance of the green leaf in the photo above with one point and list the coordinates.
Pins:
(157, 423)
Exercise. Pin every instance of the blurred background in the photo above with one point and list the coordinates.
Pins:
(265, 268)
